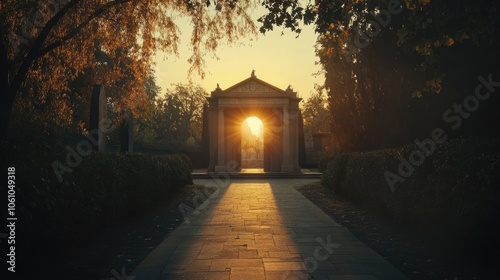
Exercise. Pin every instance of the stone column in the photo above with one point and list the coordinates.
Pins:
(98, 119)
(286, 165)
(213, 119)
(294, 139)
(221, 147)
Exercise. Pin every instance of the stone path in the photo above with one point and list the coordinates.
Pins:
(262, 230)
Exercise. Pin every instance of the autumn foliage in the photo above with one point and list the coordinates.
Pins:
(45, 46)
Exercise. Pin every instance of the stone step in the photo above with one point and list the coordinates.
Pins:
(260, 175)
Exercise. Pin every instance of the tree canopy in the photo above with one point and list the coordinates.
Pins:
(317, 118)
(393, 67)
(45, 45)
(174, 118)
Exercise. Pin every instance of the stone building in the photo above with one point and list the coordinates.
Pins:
(277, 109)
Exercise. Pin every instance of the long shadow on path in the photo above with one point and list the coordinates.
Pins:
(262, 229)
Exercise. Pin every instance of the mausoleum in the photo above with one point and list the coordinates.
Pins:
(277, 109)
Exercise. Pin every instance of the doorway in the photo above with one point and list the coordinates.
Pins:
(252, 145)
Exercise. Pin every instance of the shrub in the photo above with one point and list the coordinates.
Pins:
(103, 189)
(454, 192)
(336, 169)
(324, 161)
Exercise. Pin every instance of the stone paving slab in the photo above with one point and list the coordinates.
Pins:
(262, 229)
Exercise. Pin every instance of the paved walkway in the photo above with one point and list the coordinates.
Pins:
(262, 230)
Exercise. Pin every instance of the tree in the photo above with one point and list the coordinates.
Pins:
(144, 130)
(250, 141)
(393, 67)
(190, 100)
(176, 116)
(50, 43)
(317, 118)
(152, 89)
(253, 143)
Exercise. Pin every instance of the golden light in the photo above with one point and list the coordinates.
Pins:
(255, 125)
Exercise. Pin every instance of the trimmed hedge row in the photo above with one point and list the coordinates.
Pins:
(454, 192)
(104, 188)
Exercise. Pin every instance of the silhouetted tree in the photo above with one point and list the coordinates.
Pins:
(391, 71)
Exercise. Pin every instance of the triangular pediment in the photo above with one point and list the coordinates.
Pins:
(253, 85)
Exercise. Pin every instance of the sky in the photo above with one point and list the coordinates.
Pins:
(280, 60)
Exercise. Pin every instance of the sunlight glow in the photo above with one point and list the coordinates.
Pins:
(279, 58)
(255, 125)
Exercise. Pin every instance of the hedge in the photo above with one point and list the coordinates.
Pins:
(454, 193)
(105, 188)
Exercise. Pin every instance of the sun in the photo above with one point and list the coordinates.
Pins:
(255, 125)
